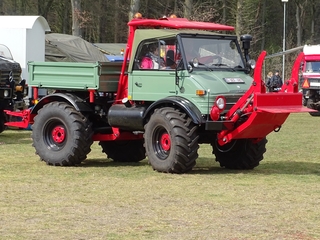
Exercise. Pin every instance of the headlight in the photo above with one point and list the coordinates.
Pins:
(220, 103)
(217, 108)
(6, 93)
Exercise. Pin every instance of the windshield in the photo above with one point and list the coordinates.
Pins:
(206, 52)
(5, 52)
(313, 67)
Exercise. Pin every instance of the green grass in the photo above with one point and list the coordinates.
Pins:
(280, 199)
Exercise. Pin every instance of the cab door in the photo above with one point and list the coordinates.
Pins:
(151, 85)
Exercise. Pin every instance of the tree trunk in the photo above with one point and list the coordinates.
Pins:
(313, 10)
(188, 9)
(65, 17)
(175, 8)
(134, 8)
(239, 14)
(1, 8)
(43, 7)
(224, 13)
(263, 40)
(76, 10)
(299, 29)
(116, 22)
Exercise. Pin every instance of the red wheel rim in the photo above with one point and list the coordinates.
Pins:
(165, 141)
(58, 134)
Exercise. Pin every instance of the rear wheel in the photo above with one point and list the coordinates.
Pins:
(171, 141)
(124, 151)
(240, 153)
(61, 135)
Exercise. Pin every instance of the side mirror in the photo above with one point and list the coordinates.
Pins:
(193, 64)
(251, 64)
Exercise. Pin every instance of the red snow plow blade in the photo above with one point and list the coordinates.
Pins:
(257, 113)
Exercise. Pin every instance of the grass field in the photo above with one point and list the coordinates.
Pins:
(280, 199)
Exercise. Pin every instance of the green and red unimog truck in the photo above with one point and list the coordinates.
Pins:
(162, 113)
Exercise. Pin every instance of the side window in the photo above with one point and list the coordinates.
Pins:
(157, 54)
(170, 54)
(148, 56)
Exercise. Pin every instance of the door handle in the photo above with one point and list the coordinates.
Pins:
(138, 84)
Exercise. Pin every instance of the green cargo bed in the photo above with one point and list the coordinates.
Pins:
(100, 76)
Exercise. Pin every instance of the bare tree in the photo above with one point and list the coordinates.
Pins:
(188, 8)
(76, 10)
(300, 12)
(116, 22)
(44, 7)
(263, 20)
(239, 17)
(134, 8)
(313, 11)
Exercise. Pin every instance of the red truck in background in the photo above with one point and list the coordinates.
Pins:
(310, 82)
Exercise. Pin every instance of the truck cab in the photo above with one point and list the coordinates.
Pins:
(194, 69)
(11, 85)
(196, 65)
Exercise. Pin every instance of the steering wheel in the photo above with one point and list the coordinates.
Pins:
(217, 60)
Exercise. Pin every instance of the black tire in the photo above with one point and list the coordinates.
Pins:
(2, 121)
(240, 154)
(171, 141)
(61, 135)
(310, 103)
(124, 151)
(304, 101)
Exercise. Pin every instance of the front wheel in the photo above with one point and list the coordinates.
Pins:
(171, 141)
(310, 104)
(61, 135)
(240, 154)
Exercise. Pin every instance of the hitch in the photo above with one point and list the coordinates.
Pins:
(262, 112)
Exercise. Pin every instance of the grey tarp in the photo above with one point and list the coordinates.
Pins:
(111, 48)
(68, 48)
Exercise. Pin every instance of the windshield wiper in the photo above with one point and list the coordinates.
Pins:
(239, 68)
(222, 66)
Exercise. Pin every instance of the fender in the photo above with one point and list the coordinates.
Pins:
(187, 106)
(78, 103)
